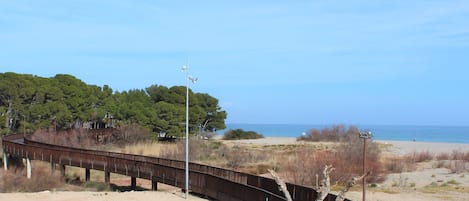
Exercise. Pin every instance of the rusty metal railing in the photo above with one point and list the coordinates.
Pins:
(214, 182)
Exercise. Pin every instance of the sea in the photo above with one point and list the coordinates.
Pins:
(449, 134)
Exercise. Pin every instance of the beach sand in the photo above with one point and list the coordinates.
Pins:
(95, 196)
(398, 147)
(405, 147)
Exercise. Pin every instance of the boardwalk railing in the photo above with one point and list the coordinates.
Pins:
(217, 183)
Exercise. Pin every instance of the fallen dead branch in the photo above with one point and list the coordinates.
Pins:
(325, 186)
(281, 184)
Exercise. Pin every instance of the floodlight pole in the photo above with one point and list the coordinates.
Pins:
(364, 168)
(188, 77)
(186, 70)
(365, 135)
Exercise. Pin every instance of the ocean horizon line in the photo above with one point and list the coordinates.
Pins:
(432, 133)
(348, 124)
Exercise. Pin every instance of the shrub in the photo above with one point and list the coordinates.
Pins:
(240, 134)
(399, 165)
(14, 180)
(198, 150)
(335, 134)
(422, 156)
(83, 138)
(347, 160)
(458, 166)
(443, 156)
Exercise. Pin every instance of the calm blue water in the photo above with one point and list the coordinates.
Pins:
(452, 134)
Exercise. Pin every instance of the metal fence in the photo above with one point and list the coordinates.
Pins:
(214, 182)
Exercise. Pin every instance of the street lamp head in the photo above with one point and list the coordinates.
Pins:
(184, 68)
(193, 79)
(365, 134)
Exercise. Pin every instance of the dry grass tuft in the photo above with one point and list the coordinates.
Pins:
(149, 148)
(14, 180)
(418, 157)
(399, 164)
(347, 159)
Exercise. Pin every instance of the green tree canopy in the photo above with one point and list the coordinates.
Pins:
(30, 102)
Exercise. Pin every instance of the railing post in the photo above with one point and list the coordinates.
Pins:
(5, 160)
(107, 177)
(28, 168)
(133, 183)
(87, 175)
(62, 170)
(154, 185)
(52, 167)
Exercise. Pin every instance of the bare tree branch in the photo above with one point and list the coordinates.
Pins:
(325, 186)
(281, 184)
(353, 182)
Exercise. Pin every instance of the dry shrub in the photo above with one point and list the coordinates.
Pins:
(456, 162)
(347, 161)
(14, 180)
(199, 150)
(460, 155)
(443, 156)
(408, 162)
(149, 148)
(237, 157)
(458, 166)
(218, 154)
(70, 138)
(335, 134)
(419, 157)
(399, 164)
(83, 138)
(303, 167)
(129, 134)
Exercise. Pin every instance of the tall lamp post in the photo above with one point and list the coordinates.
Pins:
(364, 135)
(194, 80)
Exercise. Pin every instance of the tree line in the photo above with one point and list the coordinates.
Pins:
(29, 102)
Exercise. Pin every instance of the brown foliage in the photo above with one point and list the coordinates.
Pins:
(211, 152)
(460, 155)
(14, 180)
(399, 164)
(443, 156)
(71, 138)
(198, 149)
(85, 138)
(418, 157)
(456, 162)
(347, 160)
(335, 134)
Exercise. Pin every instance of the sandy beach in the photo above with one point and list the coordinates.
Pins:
(405, 147)
(95, 196)
(398, 147)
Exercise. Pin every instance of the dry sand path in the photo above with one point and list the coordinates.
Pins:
(95, 196)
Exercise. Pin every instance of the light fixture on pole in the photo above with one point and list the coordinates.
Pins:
(364, 135)
(193, 80)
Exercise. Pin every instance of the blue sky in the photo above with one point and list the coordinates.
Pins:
(304, 62)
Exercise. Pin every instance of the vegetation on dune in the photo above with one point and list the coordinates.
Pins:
(28, 103)
(240, 134)
(335, 133)
(14, 180)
